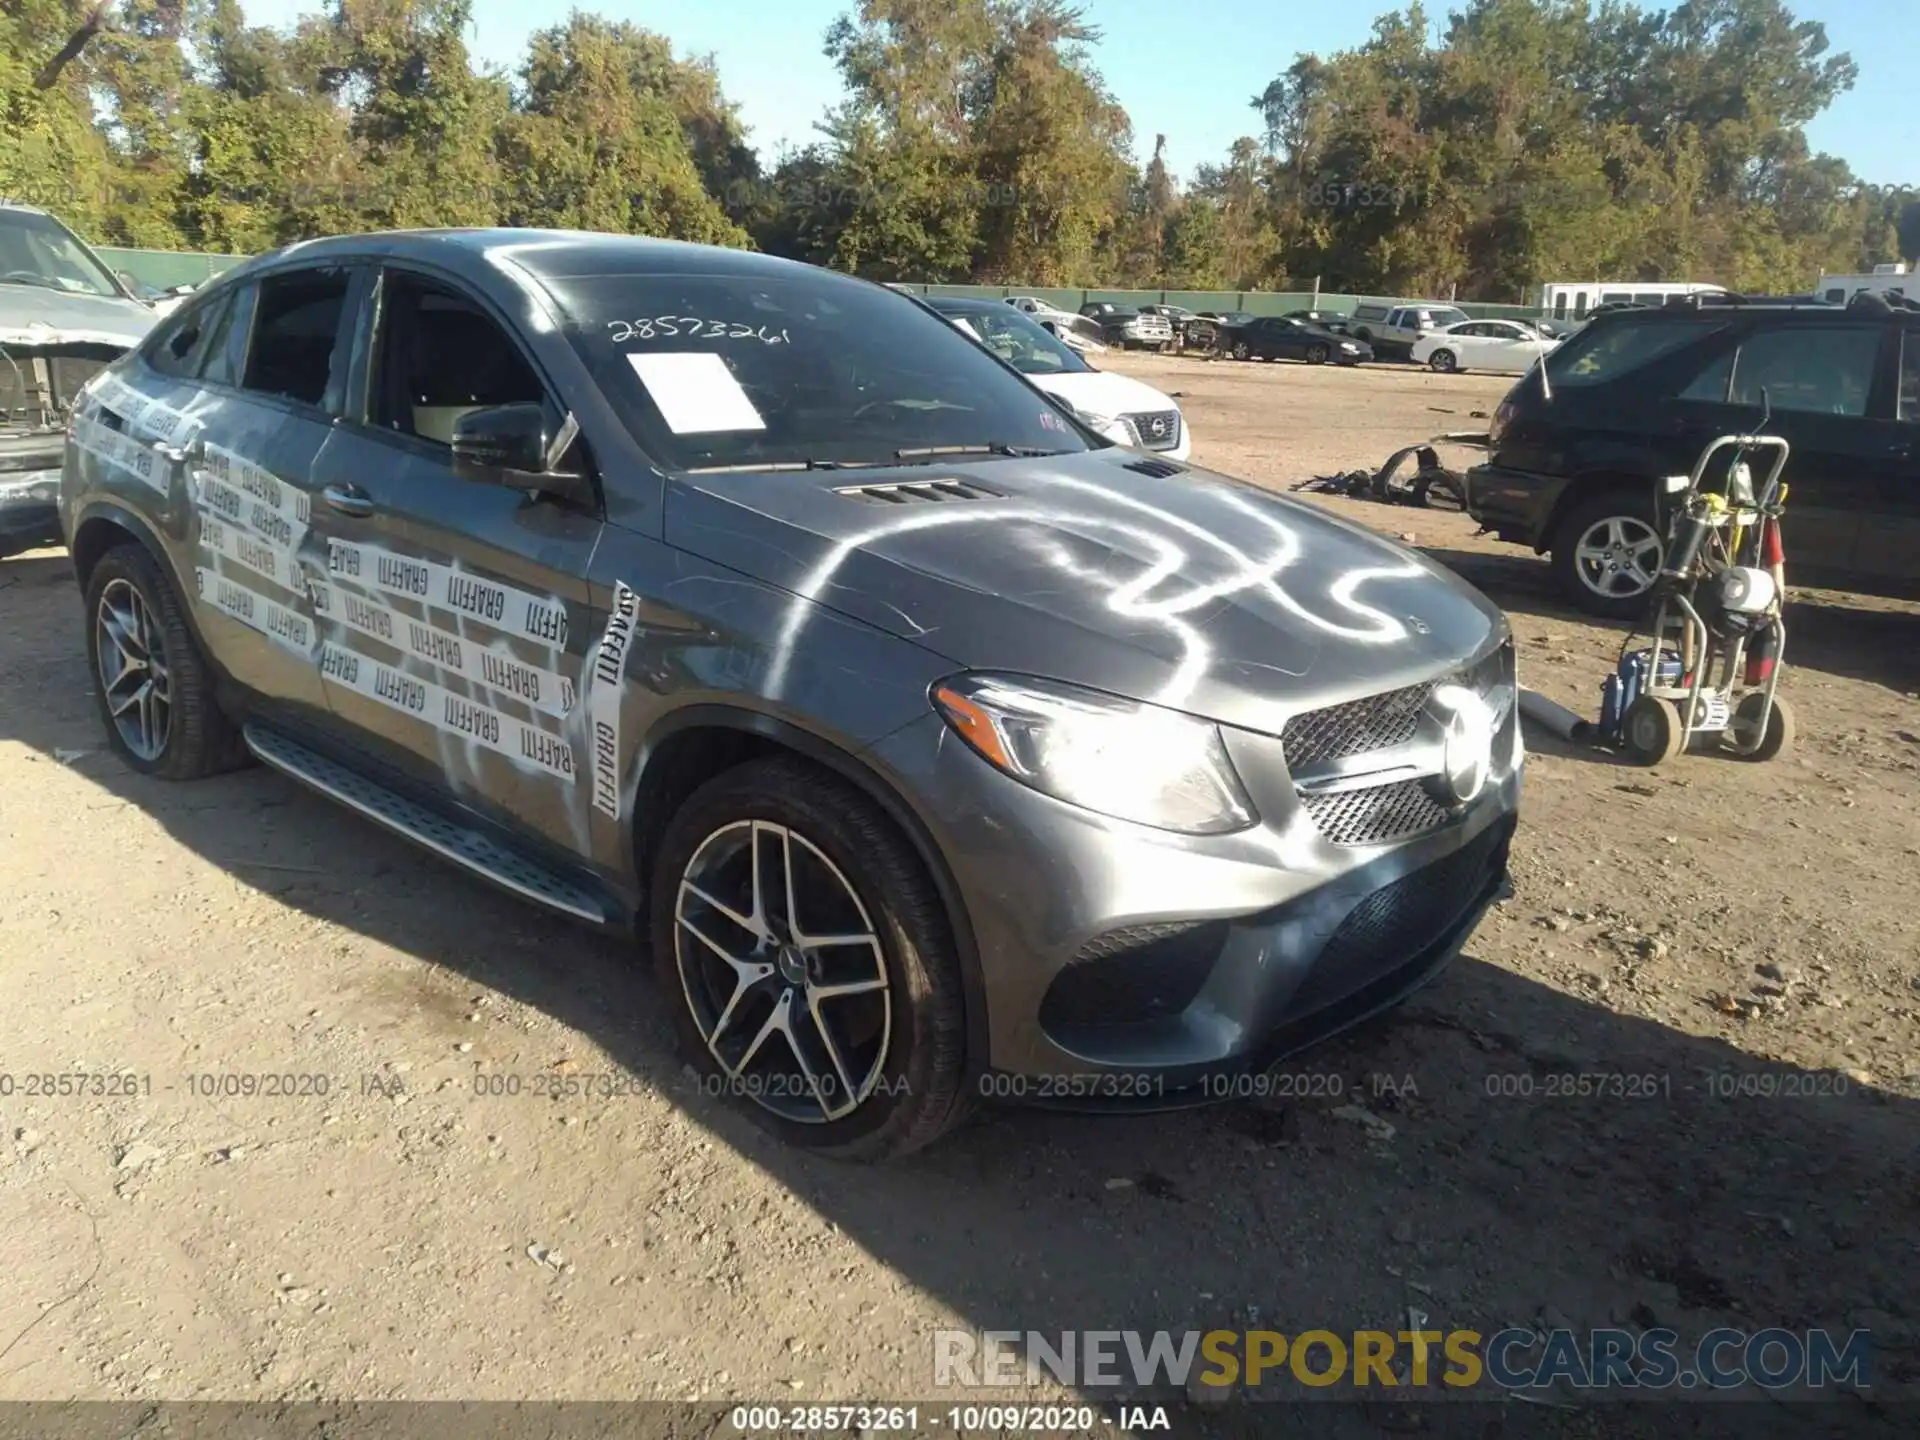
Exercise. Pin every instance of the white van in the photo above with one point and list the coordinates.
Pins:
(1885, 280)
(1571, 301)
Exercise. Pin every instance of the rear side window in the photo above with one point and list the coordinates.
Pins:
(1603, 352)
(295, 329)
(1827, 370)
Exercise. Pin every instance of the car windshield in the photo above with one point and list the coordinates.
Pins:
(796, 368)
(37, 250)
(1026, 346)
(1601, 354)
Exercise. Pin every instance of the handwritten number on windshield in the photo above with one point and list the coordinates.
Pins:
(692, 327)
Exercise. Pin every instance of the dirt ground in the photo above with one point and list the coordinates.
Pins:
(1747, 938)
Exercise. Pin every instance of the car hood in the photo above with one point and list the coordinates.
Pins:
(31, 316)
(1101, 392)
(1183, 588)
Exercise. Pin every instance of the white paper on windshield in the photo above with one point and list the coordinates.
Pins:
(696, 392)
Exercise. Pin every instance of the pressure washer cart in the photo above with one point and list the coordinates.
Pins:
(1712, 663)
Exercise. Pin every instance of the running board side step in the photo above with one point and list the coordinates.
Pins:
(465, 847)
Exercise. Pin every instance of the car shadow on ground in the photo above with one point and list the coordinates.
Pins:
(1496, 1153)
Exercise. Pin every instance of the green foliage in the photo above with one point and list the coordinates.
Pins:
(1517, 142)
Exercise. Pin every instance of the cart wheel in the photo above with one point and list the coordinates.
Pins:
(1653, 730)
(1745, 721)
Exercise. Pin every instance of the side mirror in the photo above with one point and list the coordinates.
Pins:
(511, 445)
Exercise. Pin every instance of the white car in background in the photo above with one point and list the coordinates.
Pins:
(1505, 346)
(1126, 411)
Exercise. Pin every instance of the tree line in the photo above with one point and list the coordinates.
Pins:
(1519, 141)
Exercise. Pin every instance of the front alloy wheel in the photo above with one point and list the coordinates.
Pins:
(810, 962)
(782, 972)
(135, 681)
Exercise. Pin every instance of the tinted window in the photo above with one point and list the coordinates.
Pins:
(1828, 370)
(296, 324)
(440, 356)
(1836, 297)
(1604, 351)
(790, 366)
(1910, 377)
(224, 351)
(1712, 382)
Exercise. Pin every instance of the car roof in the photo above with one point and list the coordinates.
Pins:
(1790, 309)
(545, 254)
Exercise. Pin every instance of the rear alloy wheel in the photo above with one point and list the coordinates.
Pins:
(1607, 554)
(810, 962)
(1317, 354)
(1445, 361)
(155, 688)
(1241, 350)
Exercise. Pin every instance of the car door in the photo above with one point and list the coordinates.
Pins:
(1816, 383)
(454, 614)
(260, 403)
(1889, 553)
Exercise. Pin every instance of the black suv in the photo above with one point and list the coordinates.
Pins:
(1577, 452)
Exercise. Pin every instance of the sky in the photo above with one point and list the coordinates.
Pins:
(1185, 70)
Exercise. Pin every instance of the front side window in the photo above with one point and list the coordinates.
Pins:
(296, 330)
(1604, 352)
(37, 250)
(439, 356)
(1825, 370)
(720, 371)
(181, 348)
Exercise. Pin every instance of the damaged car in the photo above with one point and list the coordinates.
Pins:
(943, 751)
(64, 317)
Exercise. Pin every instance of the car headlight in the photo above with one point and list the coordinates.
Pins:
(1347, 347)
(1122, 758)
(1120, 431)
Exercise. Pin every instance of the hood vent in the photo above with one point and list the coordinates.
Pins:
(1159, 469)
(915, 492)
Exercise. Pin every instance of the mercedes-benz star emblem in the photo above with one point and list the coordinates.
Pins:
(1467, 753)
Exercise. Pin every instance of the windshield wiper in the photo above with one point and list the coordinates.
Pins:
(39, 281)
(751, 466)
(930, 452)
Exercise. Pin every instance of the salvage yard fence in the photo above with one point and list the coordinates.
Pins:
(163, 269)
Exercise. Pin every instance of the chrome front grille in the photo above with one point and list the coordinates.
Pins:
(1373, 722)
(1157, 429)
(1374, 817)
(1398, 808)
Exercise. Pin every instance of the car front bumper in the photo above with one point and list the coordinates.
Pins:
(1124, 967)
(1515, 504)
(29, 492)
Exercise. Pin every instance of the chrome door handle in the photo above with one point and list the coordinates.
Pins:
(348, 500)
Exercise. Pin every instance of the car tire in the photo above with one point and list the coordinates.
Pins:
(1318, 354)
(1444, 361)
(1600, 531)
(898, 1052)
(1241, 350)
(148, 668)
(1780, 731)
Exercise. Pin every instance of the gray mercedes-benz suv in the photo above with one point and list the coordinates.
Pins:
(938, 748)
